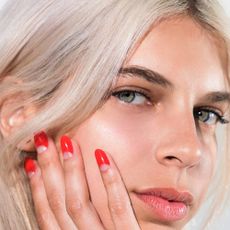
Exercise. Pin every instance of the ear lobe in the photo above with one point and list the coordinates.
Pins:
(12, 120)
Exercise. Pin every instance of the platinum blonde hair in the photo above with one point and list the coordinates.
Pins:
(63, 56)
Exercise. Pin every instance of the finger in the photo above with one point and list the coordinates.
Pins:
(78, 202)
(44, 215)
(118, 199)
(52, 175)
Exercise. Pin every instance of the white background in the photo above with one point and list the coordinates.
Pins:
(224, 221)
(2, 2)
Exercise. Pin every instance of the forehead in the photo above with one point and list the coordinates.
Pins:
(183, 51)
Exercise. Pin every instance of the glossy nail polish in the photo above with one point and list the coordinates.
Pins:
(41, 142)
(66, 147)
(29, 166)
(102, 159)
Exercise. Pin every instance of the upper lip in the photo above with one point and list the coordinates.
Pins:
(169, 194)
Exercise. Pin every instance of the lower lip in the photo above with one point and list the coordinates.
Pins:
(163, 209)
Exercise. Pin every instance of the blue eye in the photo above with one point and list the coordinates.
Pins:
(131, 97)
(209, 116)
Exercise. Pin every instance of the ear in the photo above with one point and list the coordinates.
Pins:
(11, 120)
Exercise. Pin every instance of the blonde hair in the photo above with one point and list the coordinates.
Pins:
(63, 56)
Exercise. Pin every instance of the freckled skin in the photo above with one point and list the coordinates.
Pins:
(140, 138)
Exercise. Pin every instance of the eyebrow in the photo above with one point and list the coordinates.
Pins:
(158, 79)
(147, 74)
(218, 96)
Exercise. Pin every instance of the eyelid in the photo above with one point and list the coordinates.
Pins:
(136, 89)
(217, 112)
(211, 109)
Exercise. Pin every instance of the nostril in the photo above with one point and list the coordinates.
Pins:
(170, 158)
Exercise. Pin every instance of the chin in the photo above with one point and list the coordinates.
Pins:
(160, 226)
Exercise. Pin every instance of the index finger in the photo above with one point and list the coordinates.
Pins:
(118, 199)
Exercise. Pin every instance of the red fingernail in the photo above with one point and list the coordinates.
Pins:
(41, 141)
(102, 159)
(29, 166)
(66, 147)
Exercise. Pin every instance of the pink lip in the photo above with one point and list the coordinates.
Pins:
(166, 204)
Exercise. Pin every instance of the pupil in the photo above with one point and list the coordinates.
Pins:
(127, 96)
(203, 116)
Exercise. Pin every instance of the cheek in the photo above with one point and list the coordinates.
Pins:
(210, 159)
(123, 138)
(202, 175)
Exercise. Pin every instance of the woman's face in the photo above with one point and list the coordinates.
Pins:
(155, 125)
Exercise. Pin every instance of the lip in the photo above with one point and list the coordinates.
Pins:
(166, 204)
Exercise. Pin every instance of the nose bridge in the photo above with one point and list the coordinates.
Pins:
(181, 144)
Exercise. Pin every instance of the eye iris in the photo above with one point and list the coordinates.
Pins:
(127, 96)
(203, 115)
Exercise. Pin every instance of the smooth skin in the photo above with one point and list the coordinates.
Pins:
(152, 136)
(74, 210)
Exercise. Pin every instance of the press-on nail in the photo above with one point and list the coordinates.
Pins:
(29, 166)
(66, 147)
(102, 160)
(41, 142)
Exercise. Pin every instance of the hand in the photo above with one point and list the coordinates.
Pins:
(60, 193)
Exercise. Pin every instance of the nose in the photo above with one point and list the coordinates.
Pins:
(180, 145)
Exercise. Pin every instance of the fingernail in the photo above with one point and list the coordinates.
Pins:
(41, 142)
(29, 166)
(102, 160)
(66, 147)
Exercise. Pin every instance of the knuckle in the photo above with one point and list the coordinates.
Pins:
(42, 219)
(112, 179)
(71, 166)
(45, 163)
(74, 208)
(55, 202)
(118, 207)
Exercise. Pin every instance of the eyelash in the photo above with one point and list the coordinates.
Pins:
(141, 92)
(219, 117)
